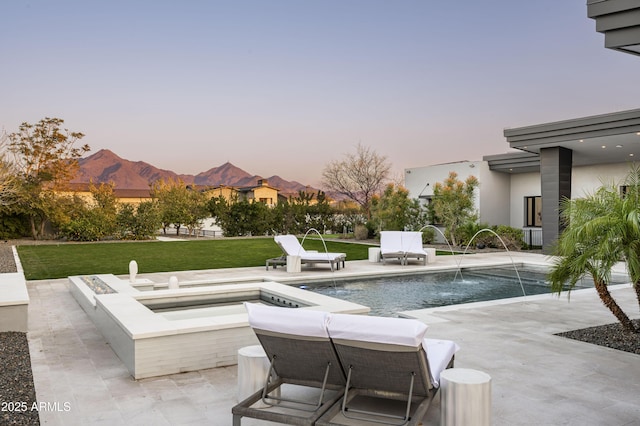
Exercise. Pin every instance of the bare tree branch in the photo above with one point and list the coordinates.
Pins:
(359, 176)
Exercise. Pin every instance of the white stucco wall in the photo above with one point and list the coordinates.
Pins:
(522, 185)
(491, 198)
(584, 180)
(500, 196)
(587, 179)
(421, 180)
(494, 195)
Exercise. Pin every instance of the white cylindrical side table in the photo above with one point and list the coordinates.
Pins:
(253, 367)
(431, 254)
(374, 254)
(465, 397)
(294, 264)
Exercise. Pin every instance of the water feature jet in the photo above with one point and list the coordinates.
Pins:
(505, 247)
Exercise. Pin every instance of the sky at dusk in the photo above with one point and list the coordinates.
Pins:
(284, 87)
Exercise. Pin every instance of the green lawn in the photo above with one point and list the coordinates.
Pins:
(62, 260)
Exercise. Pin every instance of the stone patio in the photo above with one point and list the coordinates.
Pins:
(537, 378)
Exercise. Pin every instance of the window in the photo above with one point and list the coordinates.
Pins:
(533, 211)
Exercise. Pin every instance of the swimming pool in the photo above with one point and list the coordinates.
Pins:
(391, 294)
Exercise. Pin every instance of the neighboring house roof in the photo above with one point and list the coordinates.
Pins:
(119, 193)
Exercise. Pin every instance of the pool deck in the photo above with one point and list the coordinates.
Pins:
(537, 378)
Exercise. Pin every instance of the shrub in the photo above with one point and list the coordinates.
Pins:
(428, 235)
(361, 232)
(512, 237)
(13, 226)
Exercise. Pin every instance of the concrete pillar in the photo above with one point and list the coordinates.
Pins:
(555, 175)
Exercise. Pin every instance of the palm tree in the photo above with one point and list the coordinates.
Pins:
(602, 229)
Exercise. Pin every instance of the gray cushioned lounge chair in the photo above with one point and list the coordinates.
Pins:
(386, 359)
(300, 352)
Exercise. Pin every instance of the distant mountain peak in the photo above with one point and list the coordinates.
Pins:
(106, 166)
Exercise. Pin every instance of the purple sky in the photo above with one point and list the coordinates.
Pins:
(284, 87)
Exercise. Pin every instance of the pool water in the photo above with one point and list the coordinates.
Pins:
(391, 294)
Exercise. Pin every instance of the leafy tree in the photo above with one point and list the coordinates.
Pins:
(106, 203)
(453, 203)
(245, 218)
(359, 176)
(394, 210)
(89, 221)
(138, 223)
(46, 160)
(601, 229)
(195, 210)
(289, 217)
(179, 204)
(218, 208)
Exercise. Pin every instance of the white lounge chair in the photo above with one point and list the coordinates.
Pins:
(391, 245)
(300, 352)
(386, 359)
(292, 247)
(412, 243)
(402, 245)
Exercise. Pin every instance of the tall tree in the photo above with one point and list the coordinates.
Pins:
(453, 203)
(359, 176)
(179, 204)
(46, 159)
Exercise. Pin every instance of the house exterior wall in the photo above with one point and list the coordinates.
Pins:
(491, 197)
(264, 192)
(87, 196)
(522, 185)
(589, 178)
(420, 181)
(585, 180)
(229, 193)
(501, 196)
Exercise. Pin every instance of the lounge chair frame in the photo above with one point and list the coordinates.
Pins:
(402, 245)
(320, 370)
(386, 371)
(309, 257)
(384, 358)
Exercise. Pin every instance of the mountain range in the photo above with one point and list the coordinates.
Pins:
(105, 166)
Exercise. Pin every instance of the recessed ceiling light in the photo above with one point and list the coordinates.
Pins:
(618, 146)
(630, 155)
(581, 140)
(604, 146)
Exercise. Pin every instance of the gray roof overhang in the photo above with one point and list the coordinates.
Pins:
(599, 139)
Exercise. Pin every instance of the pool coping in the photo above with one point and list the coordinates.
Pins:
(150, 344)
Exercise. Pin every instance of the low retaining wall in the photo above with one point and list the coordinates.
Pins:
(14, 300)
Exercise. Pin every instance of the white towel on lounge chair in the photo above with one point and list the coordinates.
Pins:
(394, 331)
(439, 354)
(300, 322)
